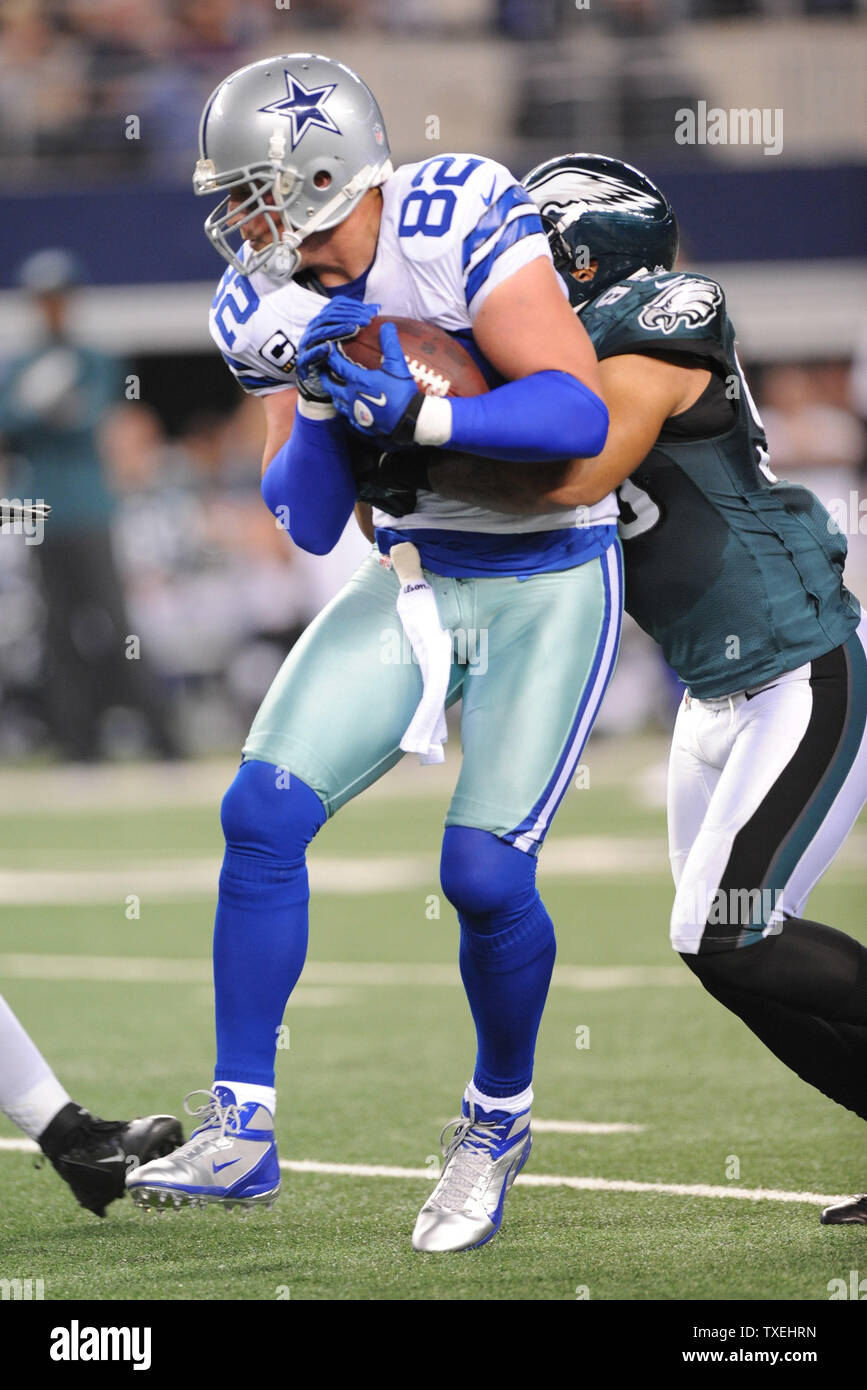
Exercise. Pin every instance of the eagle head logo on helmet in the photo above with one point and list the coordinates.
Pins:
(575, 192)
(595, 208)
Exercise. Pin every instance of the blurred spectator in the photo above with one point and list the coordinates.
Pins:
(858, 388)
(43, 84)
(815, 438)
(639, 18)
(529, 19)
(216, 589)
(808, 423)
(72, 72)
(53, 400)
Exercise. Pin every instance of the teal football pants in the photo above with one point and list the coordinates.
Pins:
(531, 661)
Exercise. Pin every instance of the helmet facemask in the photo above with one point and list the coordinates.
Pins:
(274, 189)
(561, 251)
(270, 192)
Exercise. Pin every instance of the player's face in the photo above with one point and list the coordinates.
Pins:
(263, 230)
(585, 273)
(351, 241)
(53, 307)
(260, 230)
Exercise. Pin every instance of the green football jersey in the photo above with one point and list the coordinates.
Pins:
(737, 575)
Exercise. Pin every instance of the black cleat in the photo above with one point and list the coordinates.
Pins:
(850, 1213)
(94, 1156)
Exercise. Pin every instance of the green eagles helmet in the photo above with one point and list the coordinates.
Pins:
(302, 139)
(597, 208)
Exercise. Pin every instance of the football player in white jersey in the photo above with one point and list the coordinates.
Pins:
(328, 235)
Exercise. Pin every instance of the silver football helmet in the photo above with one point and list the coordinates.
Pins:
(300, 138)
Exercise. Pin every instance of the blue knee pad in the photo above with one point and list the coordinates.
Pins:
(492, 885)
(269, 815)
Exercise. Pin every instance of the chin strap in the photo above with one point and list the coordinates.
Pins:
(285, 258)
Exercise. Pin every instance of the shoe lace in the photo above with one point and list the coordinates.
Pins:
(475, 1139)
(213, 1114)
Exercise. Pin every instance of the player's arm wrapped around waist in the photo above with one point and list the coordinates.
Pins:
(391, 479)
(309, 484)
(549, 415)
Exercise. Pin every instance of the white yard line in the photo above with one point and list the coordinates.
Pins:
(60, 789)
(345, 875)
(584, 1127)
(666, 1189)
(331, 974)
(587, 977)
(673, 1189)
(64, 789)
(171, 879)
(168, 880)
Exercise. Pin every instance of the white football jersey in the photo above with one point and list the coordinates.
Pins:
(453, 228)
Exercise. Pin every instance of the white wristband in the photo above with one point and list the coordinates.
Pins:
(434, 422)
(316, 410)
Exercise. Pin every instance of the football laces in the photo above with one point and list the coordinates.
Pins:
(432, 382)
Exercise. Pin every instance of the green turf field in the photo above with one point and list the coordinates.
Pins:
(379, 1051)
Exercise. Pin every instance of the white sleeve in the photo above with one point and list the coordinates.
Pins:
(500, 231)
(258, 335)
(465, 225)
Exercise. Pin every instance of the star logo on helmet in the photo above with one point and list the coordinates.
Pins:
(303, 107)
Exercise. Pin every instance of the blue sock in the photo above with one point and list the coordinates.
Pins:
(507, 952)
(260, 935)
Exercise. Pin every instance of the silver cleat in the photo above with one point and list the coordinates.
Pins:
(481, 1161)
(229, 1160)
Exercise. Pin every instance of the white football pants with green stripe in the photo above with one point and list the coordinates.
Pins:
(764, 787)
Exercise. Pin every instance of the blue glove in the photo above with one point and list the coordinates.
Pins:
(379, 402)
(341, 318)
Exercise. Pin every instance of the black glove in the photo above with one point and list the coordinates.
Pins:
(391, 479)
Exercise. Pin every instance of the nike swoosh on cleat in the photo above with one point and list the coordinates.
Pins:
(218, 1167)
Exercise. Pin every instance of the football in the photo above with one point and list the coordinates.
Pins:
(440, 365)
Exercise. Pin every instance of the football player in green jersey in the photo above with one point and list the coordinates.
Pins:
(739, 577)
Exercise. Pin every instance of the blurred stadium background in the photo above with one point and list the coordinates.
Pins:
(107, 876)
